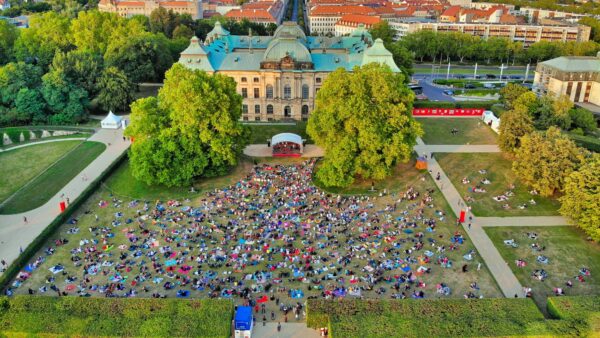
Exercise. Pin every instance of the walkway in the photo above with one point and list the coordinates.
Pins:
(42, 142)
(261, 150)
(499, 268)
(288, 330)
(14, 234)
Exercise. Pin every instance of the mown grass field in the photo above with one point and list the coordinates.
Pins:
(260, 132)
(51, 181)
(19, 166)
(470, 131)
(568, 251)
(464, 165)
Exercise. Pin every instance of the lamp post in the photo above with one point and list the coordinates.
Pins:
(448, 72)
(475, 73)
(526, 73)
(502, 67)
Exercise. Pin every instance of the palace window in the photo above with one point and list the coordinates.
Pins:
(244, 79)
(244, 109)
(244, 92)
(287, 92)
(305, 92)
(270, 109)
(304, 110)
(269, 92)
(257, 109)
(256, 93)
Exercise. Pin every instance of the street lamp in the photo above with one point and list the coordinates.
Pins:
(502, 67)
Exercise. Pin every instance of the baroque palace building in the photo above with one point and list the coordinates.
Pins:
(279, 76)
(129, 8)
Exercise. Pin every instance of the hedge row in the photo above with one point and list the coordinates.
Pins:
(14, 133)
(465, 104)
(589, 142)
(34, 247)
(452, 317)
(78, 316)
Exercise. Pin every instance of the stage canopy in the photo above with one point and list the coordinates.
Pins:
(286, 137)
(111, 121)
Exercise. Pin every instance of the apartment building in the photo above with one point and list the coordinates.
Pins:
(348, 24)
(126, 8)
(263, 12)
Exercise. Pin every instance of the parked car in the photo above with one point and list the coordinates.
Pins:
(460, 76)
(448, 92)
(489, 85)
(516, 77)
(478, 76)
(470, 86)
(490, 76)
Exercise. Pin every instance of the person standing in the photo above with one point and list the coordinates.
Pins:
(25, 219)
(278, 326)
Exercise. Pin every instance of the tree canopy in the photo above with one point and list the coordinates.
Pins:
(514, 124)
(191, 130)
(545, 159)
(580, 200)
(364, 122)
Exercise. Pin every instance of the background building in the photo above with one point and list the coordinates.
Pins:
(145, 7)
(577, 77)
(279, 76)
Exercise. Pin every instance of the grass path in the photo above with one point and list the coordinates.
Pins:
(46, 185)
(22, 165)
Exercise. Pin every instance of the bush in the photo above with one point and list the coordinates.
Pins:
(589, 142)
(79, 316)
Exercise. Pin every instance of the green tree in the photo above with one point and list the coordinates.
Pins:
(513, 126)
(47, 34)
(80, 67)
(383, 31)
(403, 59)
(16, 76)
(115, 91)
(510, 93)
(92, 31)
(363, 121)
(30, 106)
(142, 58)
(271, 28)
(528, 102)
(580, 200)
(183, 32)
(553, 111)
(8, 35)
(163, 21)
(191, 130)
(584, 119)
(545, 159)
(66, 102)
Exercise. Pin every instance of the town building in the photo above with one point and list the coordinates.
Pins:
(263, 12)
(4, 4)
(127, 8)
(577, 77)
(279, 76)
(348, 23)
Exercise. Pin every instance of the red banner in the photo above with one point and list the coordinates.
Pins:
(448, 111)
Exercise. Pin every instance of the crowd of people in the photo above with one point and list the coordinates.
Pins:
(272, 238)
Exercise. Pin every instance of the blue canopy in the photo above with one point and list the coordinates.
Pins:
(243, 318)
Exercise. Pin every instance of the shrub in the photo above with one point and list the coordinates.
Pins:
(589, 142)
(46, 316)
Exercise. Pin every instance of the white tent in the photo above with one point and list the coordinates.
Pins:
(287, 137)
(491, 120)
(111, 121)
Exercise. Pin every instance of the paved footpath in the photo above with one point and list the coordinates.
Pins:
(288, 330)
(15, 234)
(42, 142)
(499, 268)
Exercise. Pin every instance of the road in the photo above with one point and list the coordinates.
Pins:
(295, 11)
(434, 93)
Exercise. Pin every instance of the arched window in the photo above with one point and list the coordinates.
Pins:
(287, 92)
(304, 110)
(305, 92)
(269, 109)
(287, 111)
(269, 92)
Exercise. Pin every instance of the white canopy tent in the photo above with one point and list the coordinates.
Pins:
(491, 120)
(111, 121)
(287, 138)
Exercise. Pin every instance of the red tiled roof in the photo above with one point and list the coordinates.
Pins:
(452, 11)
(358, 19)
(252, 14)
(340, 10)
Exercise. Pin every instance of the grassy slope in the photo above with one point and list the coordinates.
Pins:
(499, 172)
(123, 184)
(19, 166)
(470, 131)
(42, 188)
(261, 132)
(568, 251)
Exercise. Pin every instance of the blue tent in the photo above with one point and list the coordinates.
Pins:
(243, 318)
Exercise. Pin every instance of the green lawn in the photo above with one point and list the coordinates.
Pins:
(19, 166)
(470, 131)
(260, 132)
(123, 184)
(568, 251)
(460, 165)
(46, 185)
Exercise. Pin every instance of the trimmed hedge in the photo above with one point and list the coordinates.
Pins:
(464, 104)
(34, 247)
(426, 318)
(577, 316)
(78, 316)
(589, 142)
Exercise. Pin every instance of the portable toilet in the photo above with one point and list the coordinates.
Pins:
(243, 322)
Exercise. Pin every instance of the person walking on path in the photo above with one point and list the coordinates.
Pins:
(278, 326)
(25, 219)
